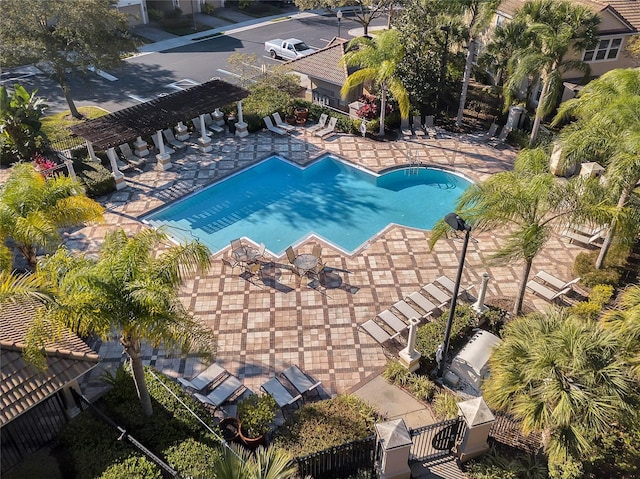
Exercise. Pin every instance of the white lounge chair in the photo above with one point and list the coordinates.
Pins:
(282, 124)
(274, 388)
(405, 128)
(430, 127)
(210, 124)
(491, 132)
(205, 378)
(196, 127)
(406, 310)
(448, 284)
(440, 296)
(272, 128)
(418, 128)
(376, 332)
(329, 129)
(427, 306)
(322, 123)
(544, 292)
(299, 380)
(557, 283)
(129, 157)
(222, 392)
(502, 137)
(178, 145)
(392, 321)
(584, 235)
(167, 149)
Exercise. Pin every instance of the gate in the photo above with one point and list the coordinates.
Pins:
(339, 461)
(435, 440)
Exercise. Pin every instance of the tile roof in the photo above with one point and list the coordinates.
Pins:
(22, 385)
(629, 10)
(323, 64)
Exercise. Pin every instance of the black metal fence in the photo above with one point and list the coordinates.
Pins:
(435, 440)
(339, 461)
(508, 430)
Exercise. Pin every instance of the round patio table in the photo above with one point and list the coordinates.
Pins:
(245, 254)
(305, 262)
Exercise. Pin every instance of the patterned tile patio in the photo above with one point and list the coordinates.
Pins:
(267, 326)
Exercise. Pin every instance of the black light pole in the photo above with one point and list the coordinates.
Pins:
(443, 66)
(457, 224)
(339, 17)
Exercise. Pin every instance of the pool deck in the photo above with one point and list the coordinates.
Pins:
(265, 326)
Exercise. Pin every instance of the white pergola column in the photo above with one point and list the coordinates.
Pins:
(141, 147)
(241, 126)
(117, 174)
(70, 169)
(182, 132)
(164, 159)
(409, 357)
(92, 154)
(204, 142)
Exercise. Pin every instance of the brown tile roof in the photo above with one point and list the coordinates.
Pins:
(149, 117)
(22, 385)
(323, 64)
(629, 10)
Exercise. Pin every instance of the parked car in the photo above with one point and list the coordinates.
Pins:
(290, 49)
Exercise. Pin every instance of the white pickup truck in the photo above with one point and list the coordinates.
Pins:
(290, 49)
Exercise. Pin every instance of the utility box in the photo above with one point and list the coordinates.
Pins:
(393, 447)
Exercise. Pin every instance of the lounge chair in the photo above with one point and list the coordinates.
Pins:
(423, 303)
(210, 124)
(322, 123)
(329, 129)
(448, 284)
(392, 321)
(168, 150)
(178, 145)
(430, 127)
(282, 124)
(491, 133)
(440, 296)
(222, 392)
(406, 310)
(557, 283)
(502, 137)
(196, 127)
(592, 237)
(544, 292)
(405, 128)
(272, 128)
(210, 375)
(376, 332)
(418, 128)
(274, 388)
(299, 380)
(129, 157)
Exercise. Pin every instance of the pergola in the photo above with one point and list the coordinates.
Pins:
(152, 117)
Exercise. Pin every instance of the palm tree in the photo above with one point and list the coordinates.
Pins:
(555, 27)
(15, 287)
(563, 377)
(239, 463)
(505, 40)
(33, 208)
(527, 201)
(625, 319)
(378, 60)
(607, 130)
(480, 13)
(133, 290)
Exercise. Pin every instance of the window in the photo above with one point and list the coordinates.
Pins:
(606, 49)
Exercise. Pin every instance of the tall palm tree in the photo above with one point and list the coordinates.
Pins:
(239, 463)
(130, 289)
(563, 377)
(33, 208)
(378, 60)
(14, 287)
(504, 41)
(480, 13)
(607, 130)
(625, 319)
(555, 27)
(529, 203)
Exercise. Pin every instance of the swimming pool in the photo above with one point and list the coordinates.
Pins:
(278, 203)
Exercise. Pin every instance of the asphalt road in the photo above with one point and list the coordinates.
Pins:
(149, 75)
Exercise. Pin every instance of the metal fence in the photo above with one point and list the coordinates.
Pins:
(339, 461)
(435, 440)
(508, 430)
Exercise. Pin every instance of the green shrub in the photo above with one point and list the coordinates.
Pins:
(155, 15)
(601, 294)
(264, 100)
(422, 387)
(320, 425)
(134, 466)
(97, 179)
(586, 310)
(481, 470)
(208, 9)
(445, 406)
(584, 266)
(193, 459)
(256, 413)
(396, 373)
(518, 138)
(507, 465)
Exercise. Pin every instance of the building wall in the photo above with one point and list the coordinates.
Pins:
(136, 10)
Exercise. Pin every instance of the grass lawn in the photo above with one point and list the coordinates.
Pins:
(56, 126)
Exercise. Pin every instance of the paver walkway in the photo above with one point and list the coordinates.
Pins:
(262, 329)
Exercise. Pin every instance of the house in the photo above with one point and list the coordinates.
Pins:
(34, 403)
(322, 76)
(138, 12)
(619, 22)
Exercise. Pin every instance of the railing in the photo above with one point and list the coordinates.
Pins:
(339, 461)
(435, 440)
(507, 430)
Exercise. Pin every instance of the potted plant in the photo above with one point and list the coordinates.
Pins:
(230, 427)
(256, 413)
(290, 116)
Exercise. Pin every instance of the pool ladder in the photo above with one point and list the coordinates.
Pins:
(414, 164)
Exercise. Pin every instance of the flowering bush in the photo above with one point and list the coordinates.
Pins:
(370, 109)
(41, 163)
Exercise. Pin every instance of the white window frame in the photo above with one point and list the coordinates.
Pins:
(590, 55)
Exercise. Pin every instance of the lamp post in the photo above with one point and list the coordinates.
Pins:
(193, 16)
(339, 17)
(457, 224)
(446, 29)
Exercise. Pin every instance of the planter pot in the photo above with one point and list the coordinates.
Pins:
(301, 115)
(230, 427)
(291, 120)
(251, 442)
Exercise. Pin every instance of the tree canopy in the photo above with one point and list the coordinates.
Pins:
(20, 126)
(63, 36)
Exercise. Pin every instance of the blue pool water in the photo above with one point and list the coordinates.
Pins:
(278, 203)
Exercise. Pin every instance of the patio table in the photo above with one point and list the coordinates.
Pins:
(245, 254)
(305, 263)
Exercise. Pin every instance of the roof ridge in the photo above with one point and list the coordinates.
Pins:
(52, 351)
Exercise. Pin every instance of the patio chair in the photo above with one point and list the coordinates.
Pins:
(329, 129)
(418, 129)
(272, 128)
(236, 244)
(405, 128)
(406, 310)
(317, 251)
(168, 150)
(178, 145)
(584, 235)
(391, 320)
(322, 123)
(557, 283)
(129, 157)
(544, 292)
(253, 269)
(440, 296)
(282, 124)
(274, 388)
(231, 263)
(291, 255)
(222, 392)
(423, 303)
(300, 381)
(210, 375)
(262, 252)
(376, 332)
(210, 124)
